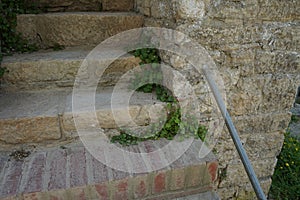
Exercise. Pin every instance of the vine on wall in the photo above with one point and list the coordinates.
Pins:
(150, 80)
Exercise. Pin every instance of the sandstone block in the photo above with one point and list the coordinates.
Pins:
(67, 5)
(75, 29)
(117, 5)
(29, 130)
(55, 69)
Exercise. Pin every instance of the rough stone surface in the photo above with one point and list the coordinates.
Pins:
(29, 130)
(45, 116)
(202, 196)
(117, 5)
(58, 69)
(75, 28)
(82, 5)
(255, 45)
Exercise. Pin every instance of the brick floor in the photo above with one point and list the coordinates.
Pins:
(73, 173)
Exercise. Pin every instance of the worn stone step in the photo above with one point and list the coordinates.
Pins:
(71, 172)
(46, 117)
(82, 5)
(75, 28)
(210, 195)
(57, 69)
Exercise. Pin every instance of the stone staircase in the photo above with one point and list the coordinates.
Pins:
(41, 156)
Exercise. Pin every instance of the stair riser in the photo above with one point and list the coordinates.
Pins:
(55, 129)
(72, 173)
(49, 74)
(74, 29)
(82, 5)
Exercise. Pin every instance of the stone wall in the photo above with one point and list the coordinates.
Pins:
(81, 5)
(255, 45)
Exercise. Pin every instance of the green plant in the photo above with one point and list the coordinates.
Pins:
(11, 41)
(58, 47)
(295, 119)
(169, 130)
(222, 174)
(286, 178)
(147, 55)
(202, 132)
(150, 78)
(3, 70)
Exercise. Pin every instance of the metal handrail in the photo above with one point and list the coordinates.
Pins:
(234, 135)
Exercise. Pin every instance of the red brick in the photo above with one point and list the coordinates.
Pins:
(78, 176)
(213, 170)
(99, 191)
(159, 183)
(76, 193)
(12, 179)
(177, 179)
(141, 186)
(35, 196)
(120, 190)
(193, 174)
(58, 195)
(35, 174)
(11, 198)
(58, 165)
(102, 191)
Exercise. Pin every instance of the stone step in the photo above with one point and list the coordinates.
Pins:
(210, 195)
(75, 28)
(82, 5)
(71, 172)
(57, 69)
(45, 117)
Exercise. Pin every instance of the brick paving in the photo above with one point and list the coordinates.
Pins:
(73, 173)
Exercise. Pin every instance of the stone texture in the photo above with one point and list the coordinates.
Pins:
(263, 168)
(82, 5)
(255, 45)
(29, 130)
(58, 69)
(66, 6)
(117, 5)
(258, 147)
(190, 9)
(75, 29)
(279, 11)
(46, 116)
(253, 95)
(202, 196)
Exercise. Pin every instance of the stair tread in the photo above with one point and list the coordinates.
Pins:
(102, 13)
(53, 102)
(44, 55)
(210, 195)
(72, 166)
(46, 69)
